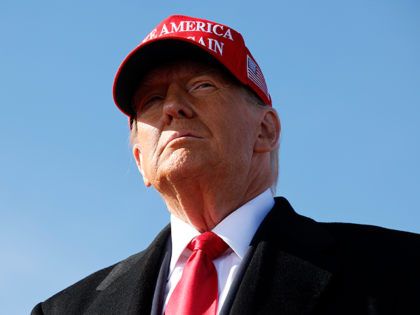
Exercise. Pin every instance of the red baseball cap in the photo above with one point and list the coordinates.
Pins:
(184, 37)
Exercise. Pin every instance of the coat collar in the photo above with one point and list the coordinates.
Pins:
(288, 272)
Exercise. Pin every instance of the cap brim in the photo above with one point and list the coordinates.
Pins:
(144, 58)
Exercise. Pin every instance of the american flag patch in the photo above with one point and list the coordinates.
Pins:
(256, 76)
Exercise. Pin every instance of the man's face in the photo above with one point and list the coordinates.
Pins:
(191, 122)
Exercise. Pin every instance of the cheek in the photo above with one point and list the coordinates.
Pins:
(148, 139)
(233, 139)
(238, 126)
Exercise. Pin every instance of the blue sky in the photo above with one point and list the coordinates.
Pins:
(344, 77)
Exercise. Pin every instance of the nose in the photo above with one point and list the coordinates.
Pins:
(176, 105)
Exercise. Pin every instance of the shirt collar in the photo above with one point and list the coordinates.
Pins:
(237, 229)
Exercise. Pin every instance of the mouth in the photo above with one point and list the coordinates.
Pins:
(181, 134)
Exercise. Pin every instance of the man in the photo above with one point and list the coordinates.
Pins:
(205, 136)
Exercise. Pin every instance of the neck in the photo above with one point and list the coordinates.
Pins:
(204, 202)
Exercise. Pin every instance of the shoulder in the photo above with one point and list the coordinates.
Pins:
(376, 251)
(376, 263)
(374, 240)
(355, 239)
(76, 298)
(373, 267)
(79, 297)
(359, 251)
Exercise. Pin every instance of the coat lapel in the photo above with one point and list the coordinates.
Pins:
(129, 287)
(287, 273)
(158, 296)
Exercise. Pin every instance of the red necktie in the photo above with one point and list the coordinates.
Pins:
(197, 291)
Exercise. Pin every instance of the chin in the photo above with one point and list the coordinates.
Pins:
(183, 164)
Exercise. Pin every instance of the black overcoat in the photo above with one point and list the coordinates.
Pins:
(294, 265)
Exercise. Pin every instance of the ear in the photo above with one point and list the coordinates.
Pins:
(138, 157)
(269, 132)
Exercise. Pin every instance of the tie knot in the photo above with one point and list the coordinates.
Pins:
(211, 244)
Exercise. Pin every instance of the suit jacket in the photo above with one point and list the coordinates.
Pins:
(294, 265)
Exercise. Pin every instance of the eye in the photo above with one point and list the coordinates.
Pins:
(204, 85)
(149, 102)
(153, 99)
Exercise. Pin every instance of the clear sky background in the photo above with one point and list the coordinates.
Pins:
(343, 75)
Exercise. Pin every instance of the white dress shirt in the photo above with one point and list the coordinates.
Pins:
(237, 230)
